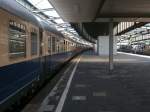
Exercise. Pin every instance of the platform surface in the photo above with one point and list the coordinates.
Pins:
(90, 87)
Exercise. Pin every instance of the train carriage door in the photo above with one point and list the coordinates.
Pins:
(41, 59)
(41, 43)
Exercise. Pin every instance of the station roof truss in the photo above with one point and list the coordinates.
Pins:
(143, 30)
(138, 32)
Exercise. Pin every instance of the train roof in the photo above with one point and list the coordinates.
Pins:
(17, 9)
(50, 28)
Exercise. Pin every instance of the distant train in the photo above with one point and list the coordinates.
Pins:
(138, 48)
(125, 48)
(30, 51)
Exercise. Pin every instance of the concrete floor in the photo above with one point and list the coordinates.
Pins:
(126, 89)
(96, 89)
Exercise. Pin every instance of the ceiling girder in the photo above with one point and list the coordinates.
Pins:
(99, 9)
(133, 27)
(42, 10)
(124, 15)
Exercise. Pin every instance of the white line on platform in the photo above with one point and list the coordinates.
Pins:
(139, 55)
(68, 69)
(52, 93)
(64, 95)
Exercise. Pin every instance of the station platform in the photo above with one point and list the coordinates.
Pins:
(87, 85)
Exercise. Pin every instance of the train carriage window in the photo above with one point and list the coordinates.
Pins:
(49, 45)
(57, 44)
(34, 43)
(53, 45)
(17, 41)
(64, 45)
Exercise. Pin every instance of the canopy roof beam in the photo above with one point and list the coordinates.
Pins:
(43, 10)
(99, 9)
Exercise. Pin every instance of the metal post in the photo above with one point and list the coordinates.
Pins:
(98, 46)
(111, 67)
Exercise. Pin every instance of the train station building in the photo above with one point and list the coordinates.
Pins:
(74, 56)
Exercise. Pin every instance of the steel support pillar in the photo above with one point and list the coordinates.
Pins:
(111, 41)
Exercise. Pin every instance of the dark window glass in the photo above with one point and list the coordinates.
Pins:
(17, 42)
(49, 45)
(34, 43)
(53, 44)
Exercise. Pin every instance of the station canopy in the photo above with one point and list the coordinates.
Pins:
(93, 16)
(102, 10)
(91, 13)
(44, 10)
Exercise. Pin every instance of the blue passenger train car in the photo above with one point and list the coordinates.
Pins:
(30, 51)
